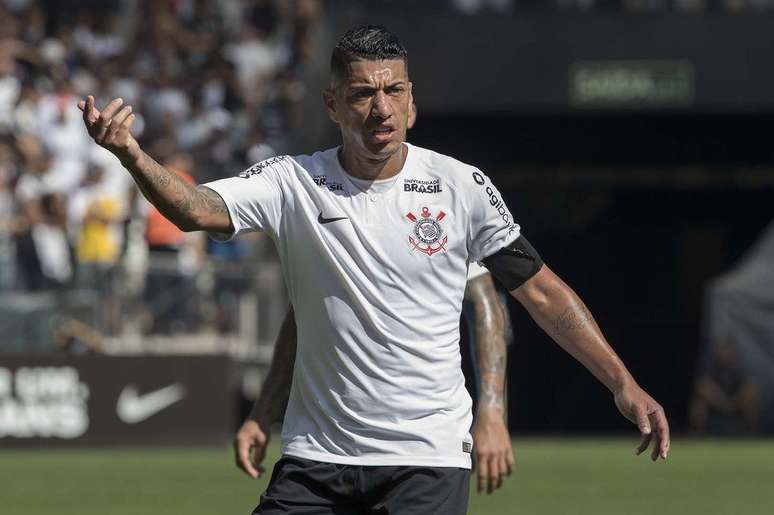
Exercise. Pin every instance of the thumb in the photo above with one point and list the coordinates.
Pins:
(243, 457)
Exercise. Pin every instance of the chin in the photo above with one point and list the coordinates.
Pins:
(384, 150)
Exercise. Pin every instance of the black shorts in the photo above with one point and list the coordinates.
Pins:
(306, 487)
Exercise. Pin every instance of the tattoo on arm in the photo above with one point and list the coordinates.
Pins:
(490, 340)
(572, 319)
(175, 198)
(210, 201)
(492, 385)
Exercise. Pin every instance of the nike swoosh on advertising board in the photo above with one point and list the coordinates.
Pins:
(133, 408)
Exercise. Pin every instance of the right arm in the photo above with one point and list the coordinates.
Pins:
(270, 407)
(189, 207)
(491, 441)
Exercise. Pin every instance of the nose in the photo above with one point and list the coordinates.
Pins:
(381, 106)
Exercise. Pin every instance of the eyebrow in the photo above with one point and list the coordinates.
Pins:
(361, 86)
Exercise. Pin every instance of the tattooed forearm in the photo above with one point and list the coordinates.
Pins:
(491, 395)
(563, 315)
(492, 361)
(490, 340)
(573, 318)
(186, 205)
(211, 201)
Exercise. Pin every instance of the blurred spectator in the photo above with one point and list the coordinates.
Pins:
(75, 337)
(725, 402)
(215, 83)
(475, 6)
(171, 293)
(7, 220)
(60, 128)
(51, 246)
(258, 148)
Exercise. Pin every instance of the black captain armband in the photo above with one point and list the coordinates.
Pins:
(513, 264)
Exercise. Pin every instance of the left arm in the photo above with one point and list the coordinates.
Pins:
(492, 442)
(564, 316)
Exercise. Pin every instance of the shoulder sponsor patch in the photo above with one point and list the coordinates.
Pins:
(495, 201)
(259, 167)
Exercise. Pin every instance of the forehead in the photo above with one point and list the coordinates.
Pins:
(371, 71)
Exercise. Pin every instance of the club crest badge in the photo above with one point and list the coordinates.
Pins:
(428, 236)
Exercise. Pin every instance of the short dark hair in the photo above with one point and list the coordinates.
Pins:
(372, 42)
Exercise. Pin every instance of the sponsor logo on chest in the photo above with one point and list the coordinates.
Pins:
(323, 182)
(422, 186)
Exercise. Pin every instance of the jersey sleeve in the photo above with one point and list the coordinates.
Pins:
(491, 224)
(475, 271)
(254, 198)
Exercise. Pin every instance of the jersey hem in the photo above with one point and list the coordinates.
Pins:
(377, 461)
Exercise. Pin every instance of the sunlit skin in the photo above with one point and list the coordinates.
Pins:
(373, 108)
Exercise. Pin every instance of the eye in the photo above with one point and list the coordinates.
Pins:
(361, 94)
(396, 91)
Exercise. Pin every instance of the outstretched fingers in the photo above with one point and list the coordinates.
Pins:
(106, 119)
(122, 115)
(117, 124)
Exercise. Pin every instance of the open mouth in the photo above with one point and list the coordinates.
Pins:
(382, 133)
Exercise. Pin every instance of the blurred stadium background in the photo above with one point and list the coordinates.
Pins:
(631, 138)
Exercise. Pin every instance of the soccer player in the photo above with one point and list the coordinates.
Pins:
(375, 237)
(488, 328)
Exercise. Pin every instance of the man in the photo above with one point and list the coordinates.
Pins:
(375, 238)
(487, 327)
(492, 451)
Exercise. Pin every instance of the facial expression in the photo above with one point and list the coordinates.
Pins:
(372, 107)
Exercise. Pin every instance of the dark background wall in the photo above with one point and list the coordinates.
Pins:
(637, 212)
(637, 204)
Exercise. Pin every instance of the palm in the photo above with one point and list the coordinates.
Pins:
(110, 128)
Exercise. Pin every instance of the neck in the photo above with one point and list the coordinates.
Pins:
(373, 169)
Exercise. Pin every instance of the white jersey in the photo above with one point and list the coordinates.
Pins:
(376, 272)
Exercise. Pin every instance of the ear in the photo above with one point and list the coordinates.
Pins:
(412, 117)
(329, 99)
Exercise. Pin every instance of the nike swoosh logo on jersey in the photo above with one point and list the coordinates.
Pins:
(324, 220)
(133, 408)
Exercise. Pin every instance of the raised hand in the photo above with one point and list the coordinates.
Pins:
(110, 128)
(643, 410)
(251, 437)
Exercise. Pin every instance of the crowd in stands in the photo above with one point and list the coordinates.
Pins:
(590, 6)
(215, 85)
